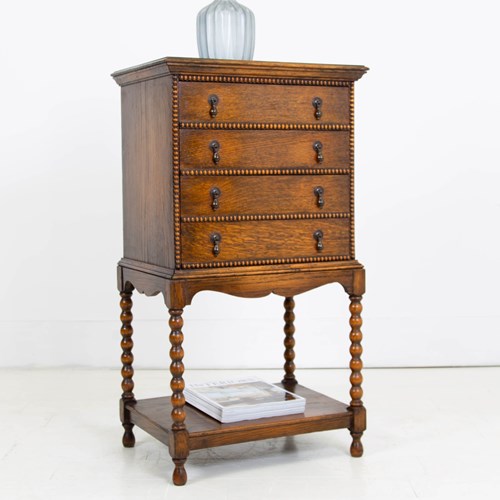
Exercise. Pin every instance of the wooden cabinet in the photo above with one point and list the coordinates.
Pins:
(238, 177)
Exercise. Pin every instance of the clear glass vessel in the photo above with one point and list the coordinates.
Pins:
(226, 30)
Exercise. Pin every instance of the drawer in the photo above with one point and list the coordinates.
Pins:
(213, 195)
(263, 148)
(258, 240)
(262, 103)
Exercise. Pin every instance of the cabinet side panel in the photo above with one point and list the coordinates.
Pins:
(147, 172)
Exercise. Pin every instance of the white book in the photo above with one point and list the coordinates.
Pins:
(243, 399)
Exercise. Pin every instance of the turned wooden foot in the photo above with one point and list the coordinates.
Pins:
(289, 342)
(356, 405)
(127, 359)
(128, 439)
(356, 446)
(179, 449)
(180, 476)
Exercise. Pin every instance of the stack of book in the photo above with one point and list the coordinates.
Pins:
(243, 399)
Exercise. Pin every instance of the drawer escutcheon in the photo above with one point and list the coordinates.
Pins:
(215, 147)
(215, 238)
(317, 102)
(318, 147)
(215, 193)
(319, 192)
(318, 236)
(213, 100)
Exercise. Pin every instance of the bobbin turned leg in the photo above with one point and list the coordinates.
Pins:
(179, 445)
(356, 405)
(127, 359)
(289, 342)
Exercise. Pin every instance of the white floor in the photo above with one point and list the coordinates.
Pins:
(432, 433)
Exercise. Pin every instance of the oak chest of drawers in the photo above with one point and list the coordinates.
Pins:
(238, 177)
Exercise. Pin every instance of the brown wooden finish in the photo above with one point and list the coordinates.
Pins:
(228, 70)
(264, 239)
(147, 180)
(179, 448)
(322, 413)
(263, 103)
(356, 406)
(289, 329)
(127, 360)
(250, 195)
(259, 281)
(154, 279)
(265, 148)
(238, 177)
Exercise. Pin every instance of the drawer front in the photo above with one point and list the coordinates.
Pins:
(276, 239)
(262, 103)
(266, 194)
(263, 148)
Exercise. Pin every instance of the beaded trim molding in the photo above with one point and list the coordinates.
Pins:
(268, 81)
(176, 169)
(264, 126)
(245, 218)
(351, 164)
(260, 262)
(267, 171)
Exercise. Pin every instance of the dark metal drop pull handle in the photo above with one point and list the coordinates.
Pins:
(215, 238)
(215, 193)
(215, 147)
(317, 102)
(318, 236)
(213, 100)
(319, 192)
(318, 147)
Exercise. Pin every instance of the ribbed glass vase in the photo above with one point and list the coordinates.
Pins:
(226, 30)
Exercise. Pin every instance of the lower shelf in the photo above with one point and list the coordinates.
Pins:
(322, 413)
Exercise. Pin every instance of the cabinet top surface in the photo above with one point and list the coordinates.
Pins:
(213, 67)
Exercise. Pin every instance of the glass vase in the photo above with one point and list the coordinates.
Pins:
(226, 30)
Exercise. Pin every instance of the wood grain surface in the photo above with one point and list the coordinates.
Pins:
(262, 103)
(225, 68)
(286, 194)
(322, 413)
(264, 148)
(148, 222)
(263, 239)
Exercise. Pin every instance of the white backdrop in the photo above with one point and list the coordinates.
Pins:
(427, 186)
